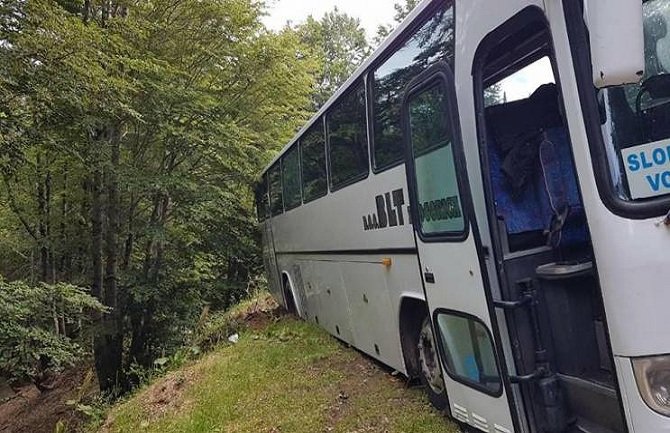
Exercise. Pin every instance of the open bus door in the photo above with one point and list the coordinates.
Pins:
(446, 238)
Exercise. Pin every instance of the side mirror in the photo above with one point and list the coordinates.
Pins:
(617, 41)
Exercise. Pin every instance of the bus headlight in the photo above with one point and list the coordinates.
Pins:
(653, 380)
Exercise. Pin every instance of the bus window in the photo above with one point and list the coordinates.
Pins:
(521, 84)
(431, 42)
(290, 167)
(468, 351)
(636, 118)
(347, 139)
(437, 192)
(276, 199)
(262, 199)
(313, 155)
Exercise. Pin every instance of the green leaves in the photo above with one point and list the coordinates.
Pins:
(340, 44)
(196, 96)
(29, 339)
(402, 10)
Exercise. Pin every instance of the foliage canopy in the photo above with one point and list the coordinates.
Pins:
(130, 133)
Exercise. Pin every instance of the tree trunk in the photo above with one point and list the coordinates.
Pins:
(140, 314)
(108, 342)
(65, 265)
(42, 225)
(86, 12)
(51, 256)
(114, 334)
(105, 376)
(130, 238)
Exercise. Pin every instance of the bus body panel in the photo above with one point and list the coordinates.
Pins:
(270, 262)
(356, 299)
(344, 281)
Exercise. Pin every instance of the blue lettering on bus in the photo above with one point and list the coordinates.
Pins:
(659, 179)
(659, 156)
(647, 159)
(633, 163)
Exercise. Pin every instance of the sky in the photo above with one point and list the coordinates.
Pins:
(522, 84)
(372, 13)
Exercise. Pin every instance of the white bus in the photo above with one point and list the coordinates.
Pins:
(484, 206)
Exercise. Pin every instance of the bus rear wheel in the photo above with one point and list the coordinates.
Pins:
(288, 298)
(429, 363)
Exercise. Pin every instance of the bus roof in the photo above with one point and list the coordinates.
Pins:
(360, 71)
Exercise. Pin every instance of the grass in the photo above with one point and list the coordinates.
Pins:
(282, 376)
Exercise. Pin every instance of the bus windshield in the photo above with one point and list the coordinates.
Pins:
(635, 118)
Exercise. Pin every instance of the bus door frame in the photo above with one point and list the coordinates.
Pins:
(468, 403)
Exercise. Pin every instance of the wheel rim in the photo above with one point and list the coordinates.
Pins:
(430, 366)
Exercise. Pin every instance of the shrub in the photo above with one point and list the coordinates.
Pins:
(40, 326)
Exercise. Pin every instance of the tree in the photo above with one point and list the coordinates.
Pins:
(494, 95)
(402, 11)
(340, 44)
(131, 133)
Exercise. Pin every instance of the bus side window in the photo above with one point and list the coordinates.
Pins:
(348, 139)
(313, 162)
(468, 352)
(431, 42)
(276, 196)
(290, 166)
(262, 199)
(439, 202)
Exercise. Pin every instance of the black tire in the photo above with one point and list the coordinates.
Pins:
(288, 299)
(430, 371)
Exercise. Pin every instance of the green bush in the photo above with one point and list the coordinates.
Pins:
(41, 327)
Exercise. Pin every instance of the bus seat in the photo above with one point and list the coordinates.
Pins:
(529, 205)
(521, 213)
(561, 187)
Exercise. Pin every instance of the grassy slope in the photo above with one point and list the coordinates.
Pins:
(285, 376)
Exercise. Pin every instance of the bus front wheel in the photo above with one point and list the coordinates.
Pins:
(430, 371)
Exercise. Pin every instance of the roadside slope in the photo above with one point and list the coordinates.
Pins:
(282, 376)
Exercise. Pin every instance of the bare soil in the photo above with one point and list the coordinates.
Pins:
(261, 313)
(35, 411)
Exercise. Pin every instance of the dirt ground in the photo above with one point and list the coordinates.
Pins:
(35, 411)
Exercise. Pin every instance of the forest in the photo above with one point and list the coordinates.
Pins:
(131, 135)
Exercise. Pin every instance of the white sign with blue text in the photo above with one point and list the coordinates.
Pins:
(648, 169)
